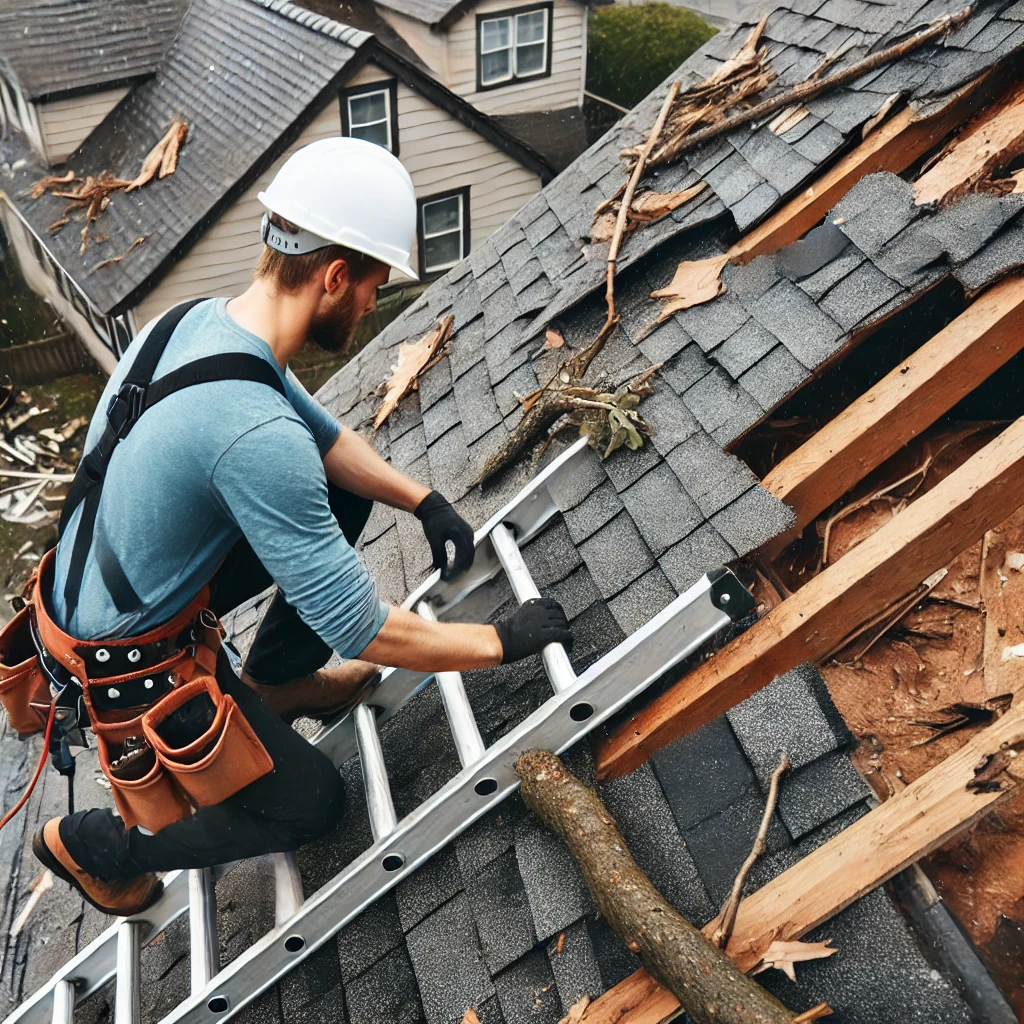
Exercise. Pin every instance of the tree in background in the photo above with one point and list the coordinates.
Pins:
(633, 49)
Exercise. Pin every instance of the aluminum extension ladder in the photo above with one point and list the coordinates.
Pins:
(577, 705)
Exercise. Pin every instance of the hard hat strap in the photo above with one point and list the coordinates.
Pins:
(291, 244)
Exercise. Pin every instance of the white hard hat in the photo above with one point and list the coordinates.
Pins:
(346, 191)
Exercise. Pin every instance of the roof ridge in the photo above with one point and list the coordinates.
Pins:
(317, 22)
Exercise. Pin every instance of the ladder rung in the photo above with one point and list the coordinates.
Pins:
(204, 948)
(64, 1002)
(465, 732)
(288, 895)
(556, 661)
(127, 995)
(375, 776)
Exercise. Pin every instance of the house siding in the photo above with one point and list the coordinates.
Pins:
(65, 124)
(440, 154)
(451, 57)
(43, 284)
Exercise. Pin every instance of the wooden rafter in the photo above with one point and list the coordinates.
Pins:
(995, 137)
(908, 826)
(912, 397)
(922, 538)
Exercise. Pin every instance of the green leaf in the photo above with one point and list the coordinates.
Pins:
(633, 439)
(618, 439)
(606, 396)
(629, 401)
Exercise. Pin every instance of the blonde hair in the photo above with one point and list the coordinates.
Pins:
(291, 272)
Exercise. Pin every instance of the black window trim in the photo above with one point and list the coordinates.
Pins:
(547, 6)
(390, 85)
(421, 256)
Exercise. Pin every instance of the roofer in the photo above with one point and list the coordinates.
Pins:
(194, 495)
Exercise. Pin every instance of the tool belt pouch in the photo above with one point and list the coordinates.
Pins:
(201, 739)
(22, 683)
(144, 792)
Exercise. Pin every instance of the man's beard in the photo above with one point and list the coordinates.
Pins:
(334, 330)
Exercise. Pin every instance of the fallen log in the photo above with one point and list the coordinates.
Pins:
(708, 985)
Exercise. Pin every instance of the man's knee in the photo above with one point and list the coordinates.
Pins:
(318, 809)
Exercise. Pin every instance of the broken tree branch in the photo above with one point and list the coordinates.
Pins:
(709, 986)
(815, 87)
(627, 198)
(727, 918)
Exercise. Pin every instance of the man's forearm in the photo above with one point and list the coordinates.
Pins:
(352, 464)
(408, 641)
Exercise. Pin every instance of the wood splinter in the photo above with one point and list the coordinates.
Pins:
(708, 985)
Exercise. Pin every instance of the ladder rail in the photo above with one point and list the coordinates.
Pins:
(64, 1003)
(379, 804)
(128, 991)
(204, 948)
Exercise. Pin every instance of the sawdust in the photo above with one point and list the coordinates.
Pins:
(947, 649)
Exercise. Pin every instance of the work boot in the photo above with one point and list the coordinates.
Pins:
(322, 695)
(121, 898)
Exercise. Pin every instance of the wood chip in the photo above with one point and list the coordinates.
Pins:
(42, 884)
(879, 115)
(412, 361)
(155, 159)
(813, 1014)
(116, 259)
(653, 206)
(47, 183)
(553, 338)
(784, 956)
(576, 1011)
(470, 1017)
(788, 119)
(561, 944)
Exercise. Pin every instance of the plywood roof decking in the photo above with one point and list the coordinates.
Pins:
(61, 46)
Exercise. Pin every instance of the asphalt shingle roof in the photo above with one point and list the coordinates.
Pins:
(54, 47)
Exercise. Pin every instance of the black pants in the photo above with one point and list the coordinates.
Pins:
(297, 802)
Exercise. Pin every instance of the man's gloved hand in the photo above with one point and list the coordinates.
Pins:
(441, 523)
(537, 623)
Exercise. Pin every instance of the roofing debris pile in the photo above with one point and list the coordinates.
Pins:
(36, 462)
(93, 194)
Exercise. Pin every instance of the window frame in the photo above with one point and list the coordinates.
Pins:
(421, 252)
(385, 85)
(548, 8)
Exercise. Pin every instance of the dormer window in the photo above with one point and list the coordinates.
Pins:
(370, 112)
(513, 45)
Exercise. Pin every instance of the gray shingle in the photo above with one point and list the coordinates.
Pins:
(448, 963)
(551, 556)
(820, 143)
(497, 898)
(793, 713)
(555, 888)
(600, 506)
(711, 323)
(854, 298)
(703, 773)
(623, 466)
(575, 968)
(669, 419)
(405, 450)
(476, 404)
(450, 469)
(740, 351)
(712, 477)
(646, 822)
(526, 991)
(570, 488)
(749, 280)
(875, 210)
(383, 560)
(500, 309)
(427, 888)
(663, 341)
(798, 323)
(685, 369)
(616, 555)
(720, 844)
(488, 838)
(722, 407)
(1004, 253)
(753, 206)
(440, 418)
(466, 348)
(692, 557)
(816, 285)
(808, 255)
(641, 600)
(372, 935)
(752, 520)
(774, 377)
(965, 226)
(387, 991)
(662, 510)
(819, 792)
(520, 382)
(733, 179)
(777, 162)
(575, 593)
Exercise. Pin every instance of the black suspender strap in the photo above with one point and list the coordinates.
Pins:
(138, 393)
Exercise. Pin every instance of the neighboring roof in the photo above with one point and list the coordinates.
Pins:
(558, 135)
(364, 15)
(442, 13)
(246, 76)
(55, 47)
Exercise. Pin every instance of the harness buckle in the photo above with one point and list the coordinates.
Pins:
(125, 408)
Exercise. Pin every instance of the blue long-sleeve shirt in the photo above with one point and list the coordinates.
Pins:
(200, 470)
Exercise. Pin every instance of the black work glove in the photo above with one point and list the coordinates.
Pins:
(441, 523)
(537, 623)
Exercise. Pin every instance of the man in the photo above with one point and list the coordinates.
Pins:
(234, 484)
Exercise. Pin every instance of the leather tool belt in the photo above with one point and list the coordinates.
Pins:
(169, 739)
